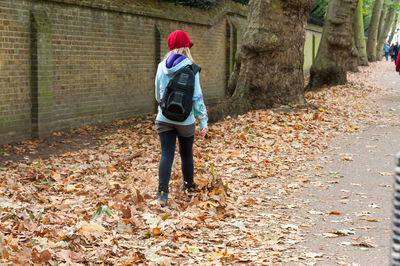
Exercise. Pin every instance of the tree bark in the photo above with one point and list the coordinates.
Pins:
(358, 28)
(382, 19)
(394, 27)
(334, 53)
(352, 64)
(384, 33)
(373, 30)
(271, 56)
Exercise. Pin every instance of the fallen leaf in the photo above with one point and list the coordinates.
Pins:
(364, 244)
(314, 255)
(368, 219)
(385, 173)
(344, 232)
(251, 201)
(91, 227)
(156, 231)
(330, 235)
(40, 257)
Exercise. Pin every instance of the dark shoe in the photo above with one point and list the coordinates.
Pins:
(163, 197)
(190, 187)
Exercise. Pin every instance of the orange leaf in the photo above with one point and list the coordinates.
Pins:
(215, 191)
(253, 238)
(126, 221)
(111, 169)
(157, 231)
(335, 212)
(62, 236)
(250, 201)
(372, 220)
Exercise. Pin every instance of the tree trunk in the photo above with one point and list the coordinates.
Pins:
(384, 32)
(373, 30)
(334, 53)
(358, 28)
(394, 27)
(352, 64)
(382, 19)
(272, 56)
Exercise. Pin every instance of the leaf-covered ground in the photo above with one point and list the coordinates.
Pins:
(96, 203)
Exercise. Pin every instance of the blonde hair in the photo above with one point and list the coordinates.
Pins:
(183, 50)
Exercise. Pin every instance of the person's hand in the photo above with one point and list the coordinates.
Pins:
(203, 132)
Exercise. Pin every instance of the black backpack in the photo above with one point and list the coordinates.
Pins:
(177, 101)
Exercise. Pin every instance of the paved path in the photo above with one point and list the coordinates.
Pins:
(359, 190)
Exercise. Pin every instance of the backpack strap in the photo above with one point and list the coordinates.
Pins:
(195, 68)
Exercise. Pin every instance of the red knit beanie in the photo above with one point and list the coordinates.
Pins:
(179, 39)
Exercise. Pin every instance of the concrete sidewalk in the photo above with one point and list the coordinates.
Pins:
(356, 189)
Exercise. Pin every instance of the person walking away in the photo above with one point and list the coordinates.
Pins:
(386, 48)
(391, 52)
(396, 52)
(169, 130)
(398, 63)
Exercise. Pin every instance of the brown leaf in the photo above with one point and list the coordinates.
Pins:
(126, 212)
(138, 197)
(364, 244)
(40, 257)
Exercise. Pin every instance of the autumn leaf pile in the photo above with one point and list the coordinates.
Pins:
(97, 205)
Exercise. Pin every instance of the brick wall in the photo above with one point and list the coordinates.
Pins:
(15, 105)
(68, 63)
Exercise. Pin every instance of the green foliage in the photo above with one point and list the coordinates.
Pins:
(368, 6)
(244, 2)
(320, 8)
(318, 12)
(101, 210)
(203, 4)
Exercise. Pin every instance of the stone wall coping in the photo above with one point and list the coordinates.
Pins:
(163, 10)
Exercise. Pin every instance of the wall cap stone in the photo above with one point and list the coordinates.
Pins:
(163, 10)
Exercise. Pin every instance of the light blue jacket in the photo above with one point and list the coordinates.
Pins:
(163, 76)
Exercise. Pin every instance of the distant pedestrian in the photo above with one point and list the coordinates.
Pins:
(396, 52)
(168, 129)
(392, 53)
(398, 63)
(386, 48)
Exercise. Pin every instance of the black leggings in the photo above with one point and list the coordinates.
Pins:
(168, 141)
